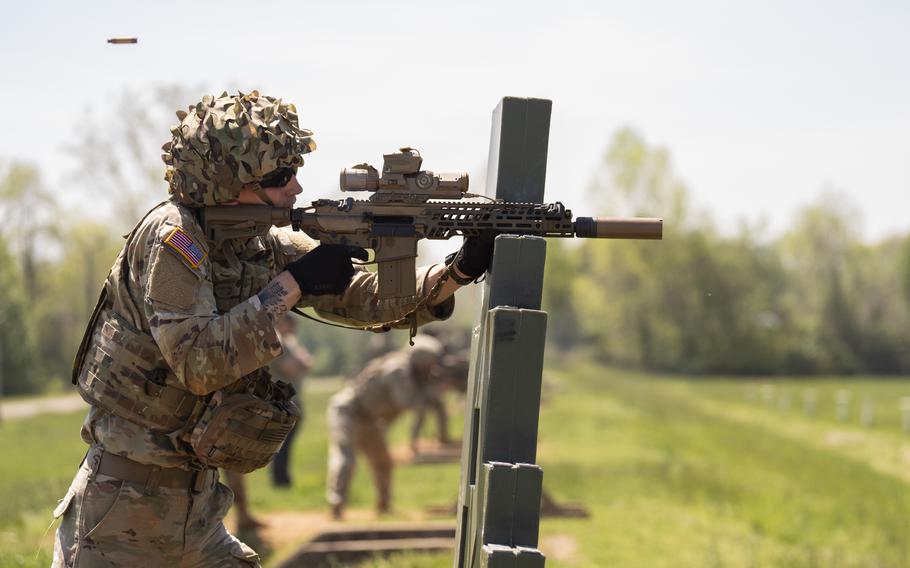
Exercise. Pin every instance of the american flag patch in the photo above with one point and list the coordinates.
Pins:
(183, 244)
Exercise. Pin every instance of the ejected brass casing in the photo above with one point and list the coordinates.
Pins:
(619, 228)
(123, 40)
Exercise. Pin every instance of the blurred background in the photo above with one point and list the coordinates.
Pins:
(771, 137)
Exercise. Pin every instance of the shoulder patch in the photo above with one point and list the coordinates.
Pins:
(185, 246)
(172, 283)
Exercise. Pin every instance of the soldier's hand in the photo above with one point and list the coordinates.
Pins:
(475, 255)
(327, 269)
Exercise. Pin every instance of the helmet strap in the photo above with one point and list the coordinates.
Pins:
(261, 194)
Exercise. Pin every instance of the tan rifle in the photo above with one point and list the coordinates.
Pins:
(408, 204)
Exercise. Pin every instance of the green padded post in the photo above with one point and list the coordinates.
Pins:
(498, 556)
(499, 496)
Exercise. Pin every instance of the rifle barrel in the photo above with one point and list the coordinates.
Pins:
(619, 228)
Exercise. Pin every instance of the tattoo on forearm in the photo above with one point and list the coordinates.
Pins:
(272, 298)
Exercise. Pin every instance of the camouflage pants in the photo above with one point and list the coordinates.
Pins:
(109, 522)
(349, 433)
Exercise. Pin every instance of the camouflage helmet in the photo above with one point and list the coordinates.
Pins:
(453, 370)
(425, 351)
(226, 143)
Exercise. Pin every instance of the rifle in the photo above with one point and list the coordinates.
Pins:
(408, 204)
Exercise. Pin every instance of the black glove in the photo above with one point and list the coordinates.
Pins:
(475, 255)
(327, 269)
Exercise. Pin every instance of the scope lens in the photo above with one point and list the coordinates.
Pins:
(357, 180)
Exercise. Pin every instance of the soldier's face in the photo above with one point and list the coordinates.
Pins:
(286, 195)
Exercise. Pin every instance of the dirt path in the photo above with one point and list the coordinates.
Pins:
(27, 408)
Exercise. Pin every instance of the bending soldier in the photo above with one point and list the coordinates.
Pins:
(359, 415)
(173, 362)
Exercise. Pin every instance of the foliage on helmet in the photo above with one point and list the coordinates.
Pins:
(223, 144)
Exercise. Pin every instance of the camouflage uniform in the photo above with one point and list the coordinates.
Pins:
(207, 323)
(359, 415)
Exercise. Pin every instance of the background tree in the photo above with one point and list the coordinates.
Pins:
(559, 274)
(27, 216)
(815, 300)
(70, 292)
(904, 264)
(18, 371)
(821, 254)
(117, 149)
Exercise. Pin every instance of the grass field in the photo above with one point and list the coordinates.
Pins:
(675, 472)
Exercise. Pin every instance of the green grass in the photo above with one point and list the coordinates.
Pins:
(676, 477)
(674, 472)
(40, 458)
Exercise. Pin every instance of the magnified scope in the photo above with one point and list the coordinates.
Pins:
(359, 179)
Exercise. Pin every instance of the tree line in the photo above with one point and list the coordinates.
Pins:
(817, 299)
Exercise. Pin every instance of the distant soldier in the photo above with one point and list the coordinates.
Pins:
(360, 414)
(291, 367)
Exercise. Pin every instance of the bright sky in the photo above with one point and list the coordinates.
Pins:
(762, 104)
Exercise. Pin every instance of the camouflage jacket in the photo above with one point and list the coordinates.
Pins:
(198, 302)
